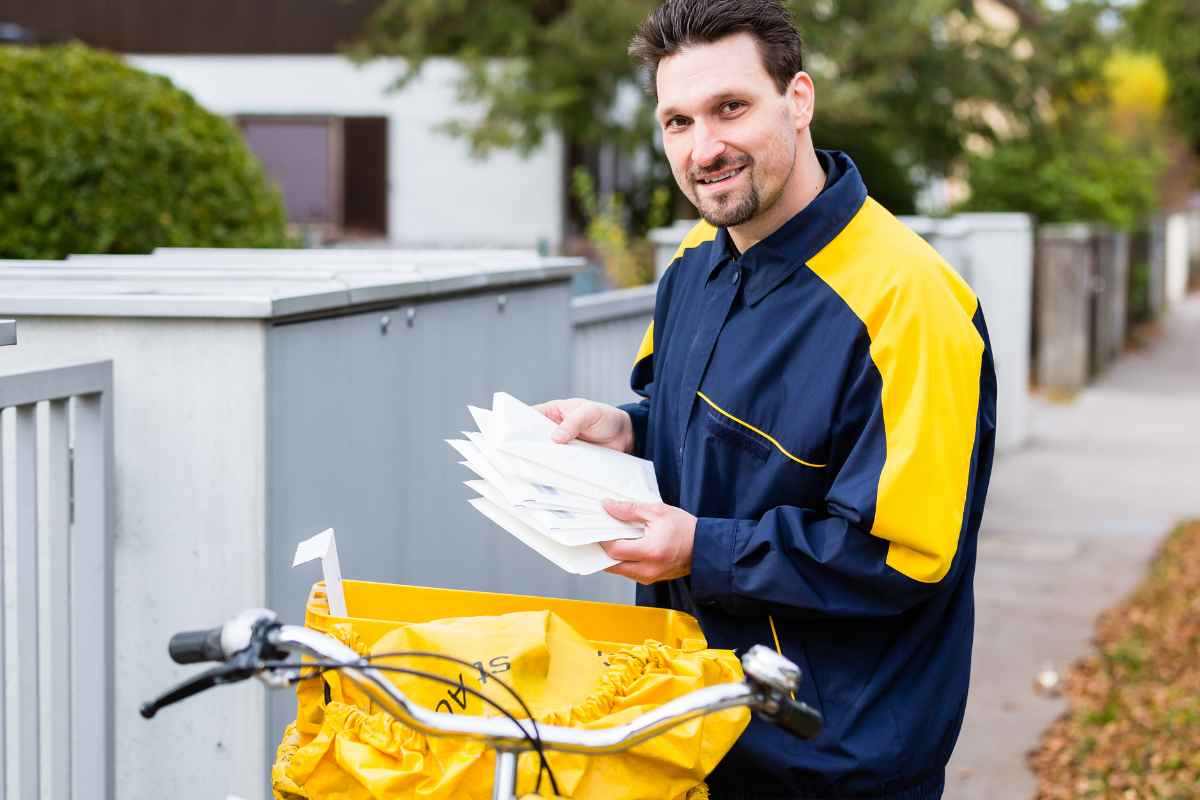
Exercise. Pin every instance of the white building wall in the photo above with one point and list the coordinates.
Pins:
(438, 193)
(189, 527)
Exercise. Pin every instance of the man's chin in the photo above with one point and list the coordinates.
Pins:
(726, 215)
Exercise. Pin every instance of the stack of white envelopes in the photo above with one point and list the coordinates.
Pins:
(546, 494)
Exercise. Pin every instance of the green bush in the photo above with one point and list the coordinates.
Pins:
(99, 157)
(1079, 171)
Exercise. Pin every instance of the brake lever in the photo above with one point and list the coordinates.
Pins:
(226, 673)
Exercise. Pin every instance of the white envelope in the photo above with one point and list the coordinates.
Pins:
(519, 481)
(580, 467)
(514, 490)
(582, 560)
(572, 537)
(483, 419)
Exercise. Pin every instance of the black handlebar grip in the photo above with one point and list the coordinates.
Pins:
(798, 719)
(191, 647)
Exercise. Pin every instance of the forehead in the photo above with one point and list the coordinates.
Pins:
(698, 73)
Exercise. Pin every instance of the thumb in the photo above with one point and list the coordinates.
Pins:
(628, 511)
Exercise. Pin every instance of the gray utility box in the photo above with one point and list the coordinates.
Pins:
(260, 398)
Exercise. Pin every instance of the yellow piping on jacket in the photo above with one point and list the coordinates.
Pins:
(775, 636)
(761, 433)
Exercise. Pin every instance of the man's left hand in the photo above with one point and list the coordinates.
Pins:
(664, 551)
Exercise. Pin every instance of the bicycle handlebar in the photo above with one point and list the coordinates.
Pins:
(253, 644)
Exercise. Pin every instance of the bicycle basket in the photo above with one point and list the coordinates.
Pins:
(574, 663)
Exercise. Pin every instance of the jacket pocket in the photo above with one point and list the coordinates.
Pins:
(735, 436)
(747, 436)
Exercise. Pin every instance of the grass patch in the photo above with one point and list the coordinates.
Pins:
(1133, 725)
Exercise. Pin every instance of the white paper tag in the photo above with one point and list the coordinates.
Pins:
(324, 547)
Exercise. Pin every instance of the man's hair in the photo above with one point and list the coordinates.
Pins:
(680, 23)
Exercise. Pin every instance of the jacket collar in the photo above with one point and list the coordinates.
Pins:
(776, 258)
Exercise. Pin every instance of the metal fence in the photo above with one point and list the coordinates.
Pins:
(55, 489)
(607, 329)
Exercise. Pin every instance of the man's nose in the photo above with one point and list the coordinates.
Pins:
(707, 146)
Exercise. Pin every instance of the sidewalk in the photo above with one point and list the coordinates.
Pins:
(1071, 521)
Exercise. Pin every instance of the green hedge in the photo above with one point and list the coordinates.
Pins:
(99, 157)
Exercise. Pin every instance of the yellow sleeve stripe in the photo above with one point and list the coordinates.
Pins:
(918, 313)
(761, 433)
(647, 346)
(700, 233)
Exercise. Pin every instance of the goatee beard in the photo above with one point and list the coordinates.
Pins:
(726, 215)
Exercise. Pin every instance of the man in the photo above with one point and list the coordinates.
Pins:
(819, 404)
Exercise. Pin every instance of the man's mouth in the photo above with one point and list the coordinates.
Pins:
(722, 177)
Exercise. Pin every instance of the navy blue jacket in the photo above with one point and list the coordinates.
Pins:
(825, 405)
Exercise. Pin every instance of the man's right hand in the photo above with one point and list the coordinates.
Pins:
(588, 421)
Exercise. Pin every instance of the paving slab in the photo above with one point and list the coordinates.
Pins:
(1071, 522)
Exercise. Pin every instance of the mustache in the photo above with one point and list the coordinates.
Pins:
(720, 165)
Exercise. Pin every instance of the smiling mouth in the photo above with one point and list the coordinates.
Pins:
(722, 177)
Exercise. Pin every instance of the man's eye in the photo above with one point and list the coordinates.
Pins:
(732, 105)
(676, 122)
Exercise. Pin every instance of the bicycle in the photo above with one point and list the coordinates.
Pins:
(255, 644)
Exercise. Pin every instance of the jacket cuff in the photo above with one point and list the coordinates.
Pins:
(712, 559)
(639, 414)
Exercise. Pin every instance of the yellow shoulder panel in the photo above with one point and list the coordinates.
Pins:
(918, 313)
(700, 233)
(647, 346)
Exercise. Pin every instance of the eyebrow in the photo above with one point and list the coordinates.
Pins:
(712, 100)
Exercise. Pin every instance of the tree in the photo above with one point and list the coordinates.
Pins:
(1169, 28)
(1094, 152)
(900, 85)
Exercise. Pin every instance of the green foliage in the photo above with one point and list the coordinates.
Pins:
(896, 85)
(902, 87)
(534, 66)
(1079, 170)
(628, 258)
(1169, 28)
(1094, 152)
(98, 157)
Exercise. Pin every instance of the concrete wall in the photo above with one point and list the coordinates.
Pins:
(1193, 236)
(1110, 293)
(607, 330)
(1177, 256)
(1063, 306)
(357, 419)
(995, 254)
(438, 193)
(188, 549)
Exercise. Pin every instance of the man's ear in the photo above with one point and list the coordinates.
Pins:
(802, 97)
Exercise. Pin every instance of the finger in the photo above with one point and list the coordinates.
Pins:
(635, 572)
(628, 511)
(576, 422)
(625, 549)
(632, 570)
(551, 410)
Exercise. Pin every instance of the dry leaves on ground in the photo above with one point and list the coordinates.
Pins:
(1133, 726)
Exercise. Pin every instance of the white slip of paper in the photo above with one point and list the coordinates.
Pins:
(522, 431)
(582, 560)
(603, 531)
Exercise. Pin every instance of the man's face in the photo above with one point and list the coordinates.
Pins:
(730, 136)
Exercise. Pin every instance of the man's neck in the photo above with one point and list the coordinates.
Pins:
(804, 184)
